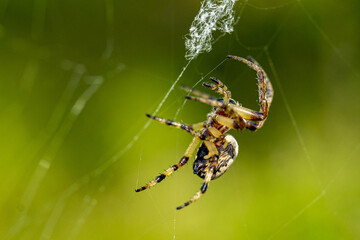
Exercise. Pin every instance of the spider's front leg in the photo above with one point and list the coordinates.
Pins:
(211, 102)
(197, 93)
(220, 88)
(238, 123)
(266, 94)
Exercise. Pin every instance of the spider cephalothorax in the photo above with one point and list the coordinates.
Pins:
(218, 149)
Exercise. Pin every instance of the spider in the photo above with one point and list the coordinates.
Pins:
(218, 150)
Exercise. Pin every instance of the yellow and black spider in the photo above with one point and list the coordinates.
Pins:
(218, 150)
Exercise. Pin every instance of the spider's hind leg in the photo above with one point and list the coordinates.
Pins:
(208, 176)
(188, 153)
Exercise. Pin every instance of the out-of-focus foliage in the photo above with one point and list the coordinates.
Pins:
(77, 78)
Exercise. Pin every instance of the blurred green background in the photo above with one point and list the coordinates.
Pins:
(77, 78)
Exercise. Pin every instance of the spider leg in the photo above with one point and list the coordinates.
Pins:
(211, 102)
(212, 149)
(246, 112)
(269, 89)
(220, 88)
(253, 126)
(238, 123)
(197, 93)
(239, 111)
(266, 93)
(203, 188)
(188, 153)
(198, 126)
(214, 131)
(189, 128)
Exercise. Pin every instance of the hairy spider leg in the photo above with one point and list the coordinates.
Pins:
(220, 88)
(188, 153)
(203, 188)
(197, 93)
(269, 89)
(265, 87)
(188, 128)
(266, 93)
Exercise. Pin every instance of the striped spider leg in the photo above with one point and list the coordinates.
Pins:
(210, 157)
(220, 88)
(210, 168)
(208, 176)
(188, 153)
(251, 119)
(197, 93)
(266, 94)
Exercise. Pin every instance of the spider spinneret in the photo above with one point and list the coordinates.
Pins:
(218, 150)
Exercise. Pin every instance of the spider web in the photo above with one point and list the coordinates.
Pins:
(174, 224)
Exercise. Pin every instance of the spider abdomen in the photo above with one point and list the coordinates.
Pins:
(228, 151)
